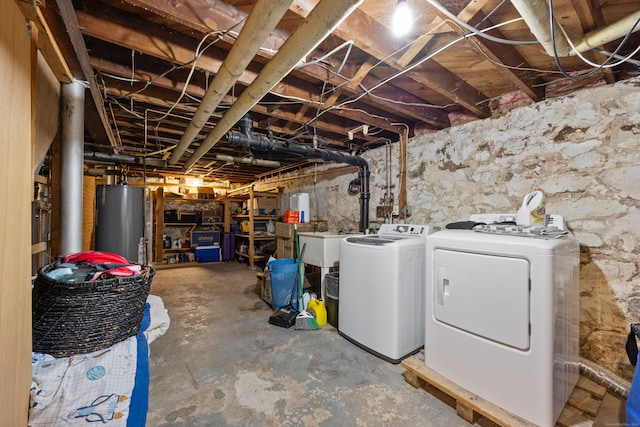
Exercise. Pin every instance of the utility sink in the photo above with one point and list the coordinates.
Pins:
(322, 248)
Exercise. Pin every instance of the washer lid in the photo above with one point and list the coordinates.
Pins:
(484, 295)
(374, 240)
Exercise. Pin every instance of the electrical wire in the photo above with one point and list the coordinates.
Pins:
(347, 80)
(191, 63)
(475, 31)
(621, 59)
(348, 44)
(367, 91)
(191, 71)
(627, 58)
(595, 69)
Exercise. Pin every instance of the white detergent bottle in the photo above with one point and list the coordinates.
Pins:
(533, 210)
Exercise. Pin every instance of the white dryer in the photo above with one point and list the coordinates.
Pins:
(502, 317)
(381, 291)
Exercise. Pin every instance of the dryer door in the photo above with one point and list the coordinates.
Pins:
(485, 295)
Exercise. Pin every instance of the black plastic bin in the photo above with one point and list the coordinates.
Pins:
(332, 287)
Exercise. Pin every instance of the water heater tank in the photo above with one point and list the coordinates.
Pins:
(119, 219)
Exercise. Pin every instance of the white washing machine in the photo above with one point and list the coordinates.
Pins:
(381, 291)
(502, 317)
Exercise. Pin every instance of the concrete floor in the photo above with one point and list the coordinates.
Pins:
(222, 364)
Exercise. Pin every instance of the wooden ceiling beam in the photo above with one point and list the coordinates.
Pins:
(165, 83)
(47, 44)
(145, 41)
(441, 81)
(225, 16)
(204, 16)
(506, 58)
(325, 128)
(68, 15)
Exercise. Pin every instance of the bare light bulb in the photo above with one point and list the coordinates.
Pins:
(402, 19)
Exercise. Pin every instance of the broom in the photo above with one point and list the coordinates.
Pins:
(304, 320)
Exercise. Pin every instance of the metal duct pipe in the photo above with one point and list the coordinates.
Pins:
(101, 172)
(95, 172)
(263, 19)
(604, 377)
(316, 27)
(71, 171)
(248, 161)
(109, 158)
(536, 14)
(608, 34)
(246, 138)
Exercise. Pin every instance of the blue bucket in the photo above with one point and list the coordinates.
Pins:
(283, 278)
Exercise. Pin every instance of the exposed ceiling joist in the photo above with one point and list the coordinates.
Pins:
(139, 57)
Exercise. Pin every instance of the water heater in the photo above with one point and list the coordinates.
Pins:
(119, 219)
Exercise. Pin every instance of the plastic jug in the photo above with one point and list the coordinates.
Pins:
(300, 202)
(316, 307)
(306, 297)
(533, 210)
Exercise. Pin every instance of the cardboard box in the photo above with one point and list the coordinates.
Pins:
(312, 282)
(285, 248)
(285, 245)
(265, 206)
(286, 230)
(205, 193)
(258, 226)
(205, 238)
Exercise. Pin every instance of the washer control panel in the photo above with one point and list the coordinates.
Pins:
(408, 230)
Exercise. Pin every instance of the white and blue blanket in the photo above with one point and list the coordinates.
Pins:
(109, 386)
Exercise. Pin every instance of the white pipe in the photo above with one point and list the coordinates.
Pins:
(71, 172)
(536, 14)
(316, 27)
(607, 34)
(263, 19)
(248, 160)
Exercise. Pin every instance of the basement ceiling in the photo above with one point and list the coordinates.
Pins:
(328, 74)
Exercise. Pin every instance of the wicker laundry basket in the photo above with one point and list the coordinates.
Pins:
(82, 317)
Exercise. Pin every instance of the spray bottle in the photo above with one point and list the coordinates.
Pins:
(533, 209)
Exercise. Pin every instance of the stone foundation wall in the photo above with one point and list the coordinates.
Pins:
(583, 150)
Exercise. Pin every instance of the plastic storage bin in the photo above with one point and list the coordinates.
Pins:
(332, 289)
(208, 254)
(283, 274)
(228, 246)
